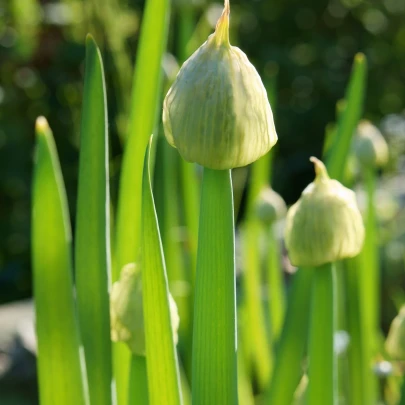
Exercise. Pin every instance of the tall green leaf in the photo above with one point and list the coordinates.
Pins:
(61, 370)
(143, 113)
(291, 347)
(349, 112)
(349, 117)
(367, 271)
(180, 278)
(92, 247)
(162, 366)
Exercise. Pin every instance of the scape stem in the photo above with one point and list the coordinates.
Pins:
(214, 379)
(322, 367)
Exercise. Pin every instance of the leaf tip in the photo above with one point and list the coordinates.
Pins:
(41, 125)
(360, 57)
(90, 40)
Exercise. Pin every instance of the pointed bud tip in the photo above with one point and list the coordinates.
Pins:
(227, 7)
(222, 27)
(320, 169)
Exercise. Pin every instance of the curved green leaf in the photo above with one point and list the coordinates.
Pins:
(162, 366)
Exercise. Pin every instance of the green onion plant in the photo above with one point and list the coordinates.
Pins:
(106, 320)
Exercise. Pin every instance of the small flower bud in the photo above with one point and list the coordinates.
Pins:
(325, 224)
(370, 147)
(270, 206)
(217, 113)
(395, 343)
(126, 310)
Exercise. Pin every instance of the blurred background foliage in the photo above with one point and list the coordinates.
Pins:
(308, 45)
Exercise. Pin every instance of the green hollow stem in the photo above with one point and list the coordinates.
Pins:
(322, 367)
(138, 381)
(358, 367)
(259, 349)
(292, 343)
(276, 286)
(214, 367)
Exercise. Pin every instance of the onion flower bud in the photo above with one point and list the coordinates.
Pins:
(270, 206)
(370, 147)
(395, 343)
(325, 224)
(217, 112)
(126, 311)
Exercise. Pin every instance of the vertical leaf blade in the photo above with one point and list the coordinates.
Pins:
(61, 369)
(92, 247)
(288, 365)
(348, 119)
(143, 114)
(162, 366)
(144, 110)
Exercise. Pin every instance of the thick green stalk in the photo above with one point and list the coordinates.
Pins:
(322, 367)
(358, 367)
(342, 363)
(214, 337)
(138, 381)
(276, 286)
(291, 347)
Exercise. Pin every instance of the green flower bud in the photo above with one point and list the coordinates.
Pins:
(126, 311)
(370, 147)
(325, 224)
(217, 113)
(395, 343)
(270, 206)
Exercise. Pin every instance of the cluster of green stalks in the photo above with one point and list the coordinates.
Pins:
(247, 351)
